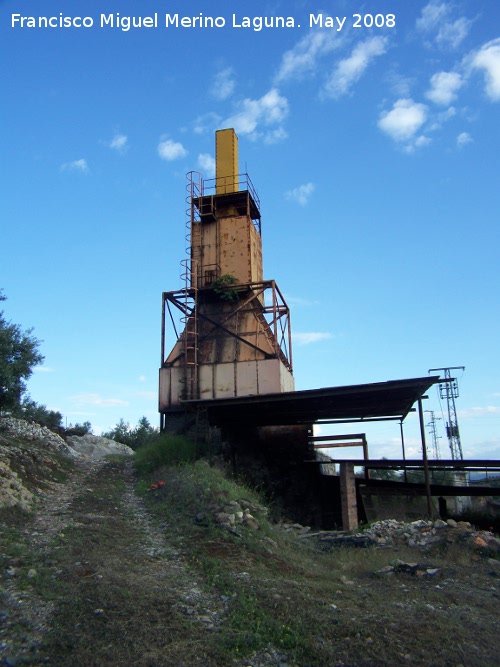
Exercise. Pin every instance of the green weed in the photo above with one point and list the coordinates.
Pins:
(165, 450)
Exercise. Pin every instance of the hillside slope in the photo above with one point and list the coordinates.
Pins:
(109, 571)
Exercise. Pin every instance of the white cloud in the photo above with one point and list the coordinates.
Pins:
(207, 163)
(403, 121)
(79, 413)
(206, 123)
(419, 142)
(142, 378)
(438, 119)
(119, 143)
(312, 337)
(303, 58)
(274, 136)
(224, 84)
(400, 85)
(487, 449)
(444, 87)
(452, 34)
(437, 21)
(488, 60)
(350, 70)
(480, 412)
(433, 15)
(76, 165)
(270, 109)
(148, 395)
(43, 369)
(301, 193)
(463, 139)
(171, 150)
(96, 399)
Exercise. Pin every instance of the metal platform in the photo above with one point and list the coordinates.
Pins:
(379, 401)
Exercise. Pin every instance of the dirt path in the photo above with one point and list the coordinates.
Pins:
(94, 579)
(97, 583)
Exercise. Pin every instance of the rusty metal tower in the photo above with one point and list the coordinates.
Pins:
(232, 326)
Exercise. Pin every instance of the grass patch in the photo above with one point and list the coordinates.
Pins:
(12, 518)
(166, 450)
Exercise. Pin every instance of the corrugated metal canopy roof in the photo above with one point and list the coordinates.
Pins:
(362, 402)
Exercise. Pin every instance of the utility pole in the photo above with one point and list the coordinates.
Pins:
(433, 433)
(449, 390)
(426, 462)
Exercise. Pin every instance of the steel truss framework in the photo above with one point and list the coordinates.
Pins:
(265, 297)
(448, 389)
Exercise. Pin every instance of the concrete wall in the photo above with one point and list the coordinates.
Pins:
(224, 380)
(272, 458)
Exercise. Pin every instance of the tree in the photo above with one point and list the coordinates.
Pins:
(120, 433)
(133, 437)
(19, 354)
(79, 429)
(32, 411)
(143, 433)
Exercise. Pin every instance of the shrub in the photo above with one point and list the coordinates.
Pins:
(164, 450)
(79, 429)
(32, 411)
(224, 289)
(136, 437)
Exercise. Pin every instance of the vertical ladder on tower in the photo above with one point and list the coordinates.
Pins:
(190, 278)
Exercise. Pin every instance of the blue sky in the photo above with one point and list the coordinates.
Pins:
(375, 153)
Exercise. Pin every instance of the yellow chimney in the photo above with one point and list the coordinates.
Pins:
(226, 161)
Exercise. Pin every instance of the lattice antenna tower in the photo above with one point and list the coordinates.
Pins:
(449, 390)
(434, 436)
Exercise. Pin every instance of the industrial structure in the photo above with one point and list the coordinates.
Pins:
(231, 365)
(235, 338)
(434, 436)
(449, 390)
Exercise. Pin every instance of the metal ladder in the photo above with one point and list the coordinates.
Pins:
(189, 277)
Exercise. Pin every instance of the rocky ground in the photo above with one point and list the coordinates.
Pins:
(94, 578)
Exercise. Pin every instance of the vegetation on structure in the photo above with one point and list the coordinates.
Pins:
(223, 287)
